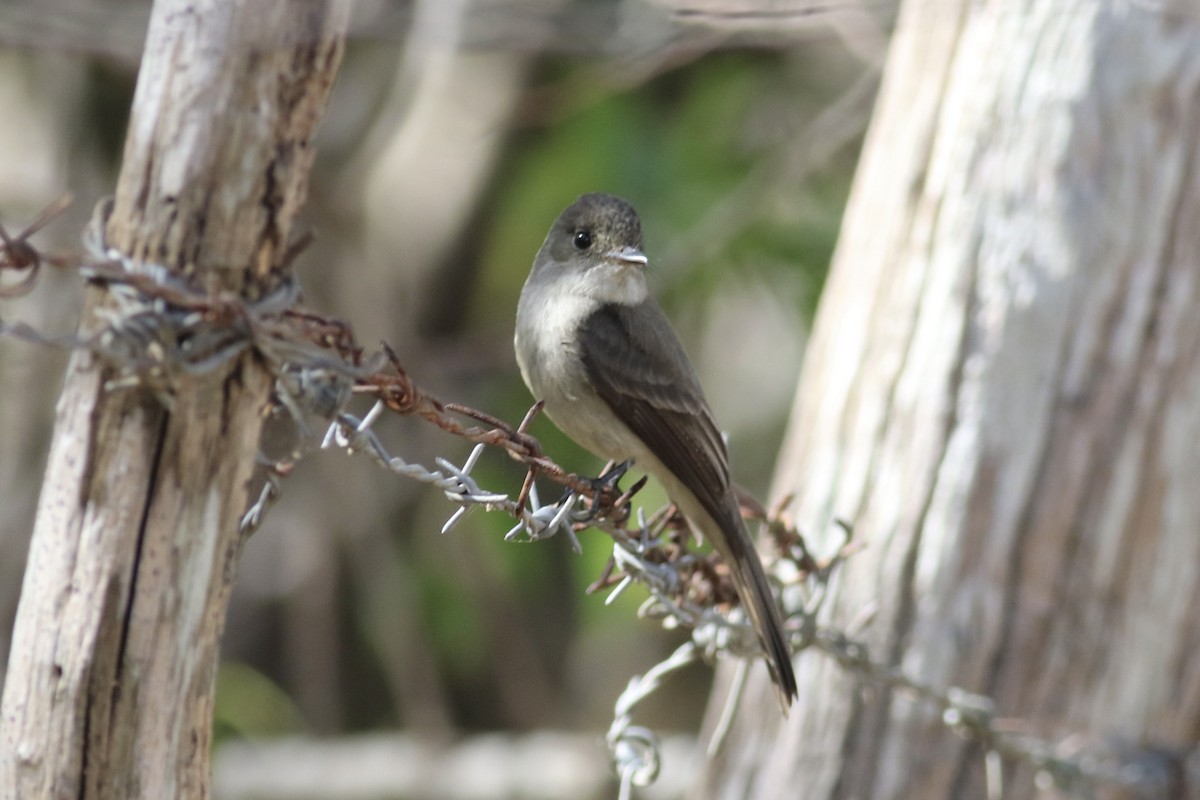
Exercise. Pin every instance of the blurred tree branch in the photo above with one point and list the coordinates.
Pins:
(115, 29)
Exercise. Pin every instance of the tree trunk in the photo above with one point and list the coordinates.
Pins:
(1002, 394)
(135, 547)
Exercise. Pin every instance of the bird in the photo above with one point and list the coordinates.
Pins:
(596, 348)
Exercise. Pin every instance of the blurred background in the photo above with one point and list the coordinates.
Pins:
(457, 132)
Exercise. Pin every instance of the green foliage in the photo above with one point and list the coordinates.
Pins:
(250, 704)
(454, 626)
(677, 148)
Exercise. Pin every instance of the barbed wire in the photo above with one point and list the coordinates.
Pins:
(687, 589)
(17, 254)
(157, 327)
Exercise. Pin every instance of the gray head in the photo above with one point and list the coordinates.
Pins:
(594, 229)
(593, 249)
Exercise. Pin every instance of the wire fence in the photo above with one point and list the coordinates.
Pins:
(155, 326)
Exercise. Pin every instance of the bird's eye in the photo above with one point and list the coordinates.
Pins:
(583, 240)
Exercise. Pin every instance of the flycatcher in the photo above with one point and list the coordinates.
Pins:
(595, 346)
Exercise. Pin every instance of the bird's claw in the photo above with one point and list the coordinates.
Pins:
(611, 476)
(607, 482)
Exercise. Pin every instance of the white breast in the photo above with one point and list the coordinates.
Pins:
(548, 319)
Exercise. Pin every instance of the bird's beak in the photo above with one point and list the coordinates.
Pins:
(630, 255)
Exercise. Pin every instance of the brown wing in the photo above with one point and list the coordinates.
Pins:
(639, 368)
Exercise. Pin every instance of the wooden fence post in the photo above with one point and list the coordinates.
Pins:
(136, 543)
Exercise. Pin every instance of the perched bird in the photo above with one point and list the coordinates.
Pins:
(597, 349)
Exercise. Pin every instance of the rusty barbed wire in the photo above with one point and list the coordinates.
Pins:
(18, 255)
(692, 590)
(157, 328)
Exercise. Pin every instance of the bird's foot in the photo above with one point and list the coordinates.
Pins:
(606, 483)
(611, 476)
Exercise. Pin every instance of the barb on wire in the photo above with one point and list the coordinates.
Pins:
(18, 255)
(272, 490)
(534, 520)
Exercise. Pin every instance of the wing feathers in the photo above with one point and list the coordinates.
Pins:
(639, 368)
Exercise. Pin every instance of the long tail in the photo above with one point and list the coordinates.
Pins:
(755, 594)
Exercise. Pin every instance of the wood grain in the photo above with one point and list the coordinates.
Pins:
(135, 547)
